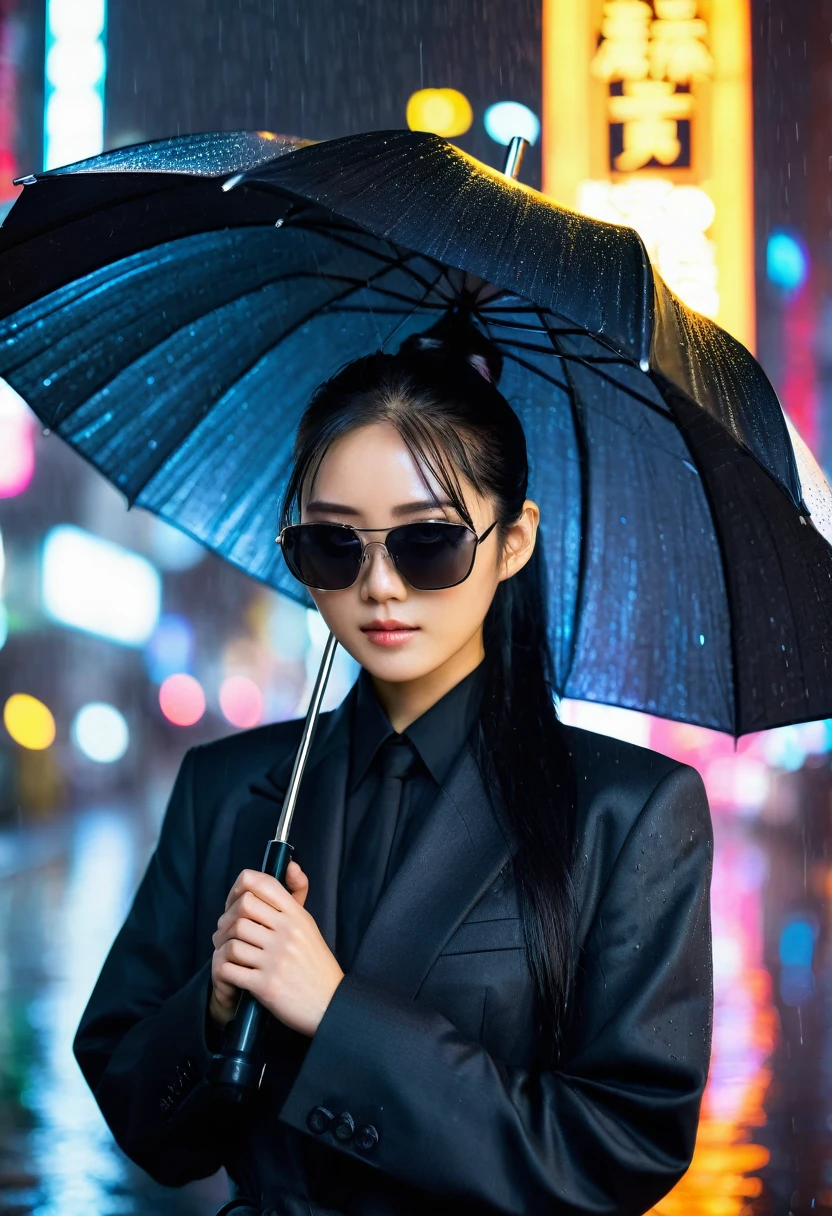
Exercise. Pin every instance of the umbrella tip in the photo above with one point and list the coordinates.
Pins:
(234, 180)
(514, 157)
(28, 180)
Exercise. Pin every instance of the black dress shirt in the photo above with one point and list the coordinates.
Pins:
(438, 735)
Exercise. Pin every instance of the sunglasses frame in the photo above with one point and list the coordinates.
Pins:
(394, 527)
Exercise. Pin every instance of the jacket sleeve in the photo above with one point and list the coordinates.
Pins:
(612, 1129)
(141, 1043)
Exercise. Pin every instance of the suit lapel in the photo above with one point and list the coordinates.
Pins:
(455, 857)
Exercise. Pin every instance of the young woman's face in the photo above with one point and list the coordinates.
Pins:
(369, 479)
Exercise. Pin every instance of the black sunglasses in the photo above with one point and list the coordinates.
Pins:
(430, 556)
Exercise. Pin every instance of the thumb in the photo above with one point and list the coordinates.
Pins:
(297, 882)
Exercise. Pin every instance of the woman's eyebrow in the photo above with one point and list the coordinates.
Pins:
(405, 508)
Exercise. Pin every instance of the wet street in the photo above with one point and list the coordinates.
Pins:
(765, 1140)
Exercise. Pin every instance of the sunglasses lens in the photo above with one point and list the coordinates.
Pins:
(432, 556)
(322, 555)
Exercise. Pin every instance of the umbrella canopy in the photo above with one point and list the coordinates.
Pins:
(168, 309)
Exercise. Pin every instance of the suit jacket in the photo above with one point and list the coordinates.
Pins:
(431, 1038)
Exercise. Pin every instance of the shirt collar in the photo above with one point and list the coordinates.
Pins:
(438, 734)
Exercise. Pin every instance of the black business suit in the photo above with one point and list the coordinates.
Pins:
(429, 1042)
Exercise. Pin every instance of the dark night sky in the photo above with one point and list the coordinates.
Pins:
(319, 69)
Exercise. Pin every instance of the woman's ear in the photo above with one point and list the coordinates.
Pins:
(520, 540)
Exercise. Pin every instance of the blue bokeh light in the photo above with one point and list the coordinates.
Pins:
(787, 262)
(505, 119)
(797, 944)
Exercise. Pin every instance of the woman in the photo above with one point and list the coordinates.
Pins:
(490, 975)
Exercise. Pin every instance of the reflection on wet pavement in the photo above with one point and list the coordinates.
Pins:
(65, 891)
(765, 1137)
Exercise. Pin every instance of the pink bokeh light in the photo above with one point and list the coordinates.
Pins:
(241, 701)
(181, 699)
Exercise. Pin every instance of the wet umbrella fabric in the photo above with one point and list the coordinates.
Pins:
(171, 331)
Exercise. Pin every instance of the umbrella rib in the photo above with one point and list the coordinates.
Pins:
(576, 412)
(355, 284)
(547, 350)
(390, 263)
(302, 320)
(592, 367)
(394, 263)
(570, 329)
(417, 304)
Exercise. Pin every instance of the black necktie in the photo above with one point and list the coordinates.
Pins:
(365, 874)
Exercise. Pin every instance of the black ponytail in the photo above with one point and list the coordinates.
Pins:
(440, 391)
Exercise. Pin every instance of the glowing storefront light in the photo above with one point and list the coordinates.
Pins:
(241, 701)
(95, 585)
(100, 732)
(181, 699)
(647, 122)
(76, 64)
(17, 451)
(443, 111)
(505, 119)
(29, 721)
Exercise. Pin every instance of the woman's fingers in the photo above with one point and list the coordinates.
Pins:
(265, 887)
(253, 908)
(244, 930)
(242, 954)
(297, 882)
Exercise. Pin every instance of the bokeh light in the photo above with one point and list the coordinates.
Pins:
(172, 549)
(181, 699)
(505, 119)
(29, 721)
(443, 111)
(100, 732)
(170, 647)
(17, 450)
(787, 262)
(100, 587)
(241, 701)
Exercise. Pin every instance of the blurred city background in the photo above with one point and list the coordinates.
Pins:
(708, 127)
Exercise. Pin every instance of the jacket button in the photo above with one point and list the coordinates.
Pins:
(366, 1138)
(345, 1126)
(319, 1119)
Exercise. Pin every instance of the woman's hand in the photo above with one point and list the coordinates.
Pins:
(266, 942)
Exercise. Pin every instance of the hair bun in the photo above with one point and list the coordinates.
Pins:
(456, 339)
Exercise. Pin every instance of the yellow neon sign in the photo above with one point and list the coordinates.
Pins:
(647, 122)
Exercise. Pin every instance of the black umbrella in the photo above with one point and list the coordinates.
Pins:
(171, 331)
(168, 308)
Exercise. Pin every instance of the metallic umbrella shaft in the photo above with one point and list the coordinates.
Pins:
(236, 1070)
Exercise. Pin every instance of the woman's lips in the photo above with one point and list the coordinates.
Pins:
(390, 637)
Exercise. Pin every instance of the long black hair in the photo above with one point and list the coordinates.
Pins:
(440, 392)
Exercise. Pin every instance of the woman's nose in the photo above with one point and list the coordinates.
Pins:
(380, 580)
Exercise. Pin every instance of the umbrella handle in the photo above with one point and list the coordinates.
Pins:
(237, 1069)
